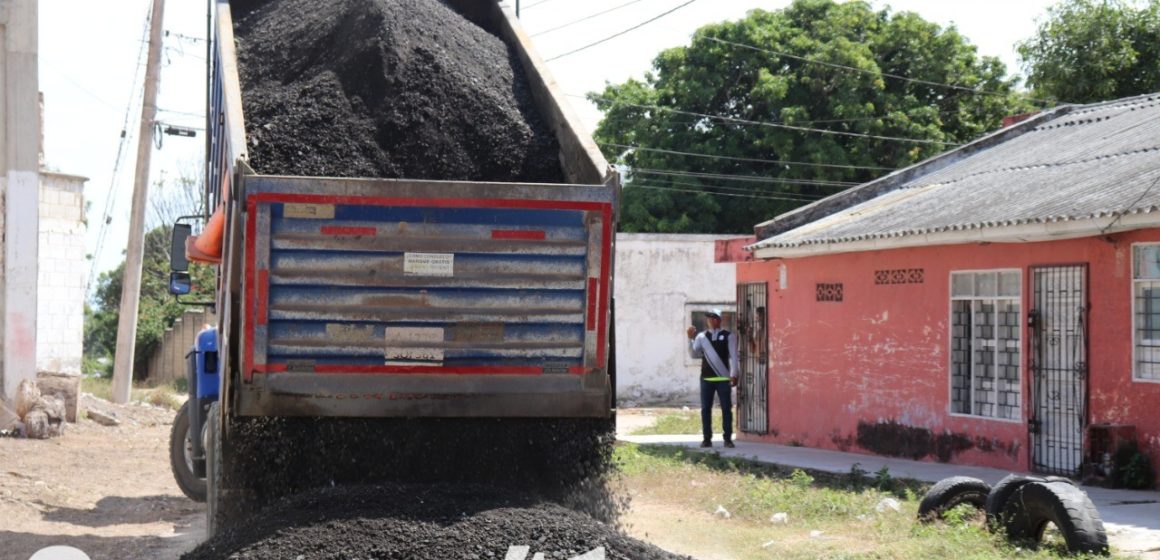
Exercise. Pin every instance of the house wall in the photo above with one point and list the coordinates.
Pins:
(660, 280)
(62, 270)
(872, 373)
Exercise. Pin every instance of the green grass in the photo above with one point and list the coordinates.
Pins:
(170, 395)
(843, 506)
(684, 422)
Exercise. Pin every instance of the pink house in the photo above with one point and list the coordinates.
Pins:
(997, 305)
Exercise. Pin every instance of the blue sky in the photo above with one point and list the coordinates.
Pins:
(89, 58)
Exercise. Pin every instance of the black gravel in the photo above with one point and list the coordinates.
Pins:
(424, 522)
(385, 88)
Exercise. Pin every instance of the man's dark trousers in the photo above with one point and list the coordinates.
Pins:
(725, 396)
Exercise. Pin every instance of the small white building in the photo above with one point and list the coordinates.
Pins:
(663, 284)
(62, 273)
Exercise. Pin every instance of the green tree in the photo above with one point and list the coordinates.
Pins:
(1094, 50)
(157, 309)
(815, 64)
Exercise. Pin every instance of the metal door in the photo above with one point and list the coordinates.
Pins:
(1058, 321)
(753, 355)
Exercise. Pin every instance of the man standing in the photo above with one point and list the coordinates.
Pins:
(717, 350)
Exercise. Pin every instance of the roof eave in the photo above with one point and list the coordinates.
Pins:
(1023, 233)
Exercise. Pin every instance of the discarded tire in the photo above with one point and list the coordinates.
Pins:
(1035, 504)
(181, 456)
(950, 492)
(1004, 489)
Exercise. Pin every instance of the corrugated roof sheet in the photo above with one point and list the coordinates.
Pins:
(1076, 163)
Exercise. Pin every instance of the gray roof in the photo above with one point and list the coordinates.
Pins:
(1078, 162)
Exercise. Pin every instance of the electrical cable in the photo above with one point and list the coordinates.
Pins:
(583, 19)
(782, 126)
(615, 35)
(743, 159)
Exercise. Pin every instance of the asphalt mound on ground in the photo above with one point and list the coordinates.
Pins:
(425, 521)
(385, 88)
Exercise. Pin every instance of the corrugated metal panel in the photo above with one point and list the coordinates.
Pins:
(1097, 161)
(487, 278)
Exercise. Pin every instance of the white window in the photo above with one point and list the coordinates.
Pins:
(1146, 312)
(986, 351)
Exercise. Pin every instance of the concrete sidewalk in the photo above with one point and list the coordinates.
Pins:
(1131, 517)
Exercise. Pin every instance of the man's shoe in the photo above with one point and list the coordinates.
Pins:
(706, 443)
(729, 443)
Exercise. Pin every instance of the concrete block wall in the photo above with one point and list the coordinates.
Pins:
(661, 281)
(61, 274)
(168, 362)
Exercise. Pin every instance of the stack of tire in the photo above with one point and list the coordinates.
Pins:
(1022, 506)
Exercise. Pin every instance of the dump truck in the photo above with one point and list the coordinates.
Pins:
(381, 315)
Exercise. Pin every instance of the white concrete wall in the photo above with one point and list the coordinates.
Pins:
(661, 279)
(62, 274)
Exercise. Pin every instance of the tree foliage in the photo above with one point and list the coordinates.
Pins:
(1094, 50)
(157, 309)
(832, 76)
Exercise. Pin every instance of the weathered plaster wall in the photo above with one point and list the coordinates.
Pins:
(61, 274)
(660, 281)
(871, 373)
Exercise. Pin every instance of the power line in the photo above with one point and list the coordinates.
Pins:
(583, 19)
(745, 178)
(864, 71)
(780, 125)
(533, 5)
(613, 36)
(126, 133)
(694, 191)
(796, 196)
(744, 159)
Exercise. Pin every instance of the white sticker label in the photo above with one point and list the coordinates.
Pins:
(405, 346)
(429, 264)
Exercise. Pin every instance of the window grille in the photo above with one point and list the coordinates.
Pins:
(985, 344)
(1146, 311)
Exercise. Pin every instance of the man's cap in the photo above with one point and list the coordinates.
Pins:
(713, 313)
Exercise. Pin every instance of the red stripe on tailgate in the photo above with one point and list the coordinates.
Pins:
(592, 304)
(348, 230)
(605, 275)
(248, 305)
(466, 370)
(432, 202)
(263, 294)
(518, 234)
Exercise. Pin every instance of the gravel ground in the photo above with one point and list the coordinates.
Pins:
(418, 521)
(385, 88)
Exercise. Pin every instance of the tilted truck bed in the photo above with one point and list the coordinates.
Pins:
(394, 297)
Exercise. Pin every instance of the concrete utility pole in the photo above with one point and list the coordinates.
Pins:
(131, 281)
(20, 184)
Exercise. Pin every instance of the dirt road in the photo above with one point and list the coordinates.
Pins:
(105, 490)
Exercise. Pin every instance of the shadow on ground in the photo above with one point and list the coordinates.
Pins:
(119, 510)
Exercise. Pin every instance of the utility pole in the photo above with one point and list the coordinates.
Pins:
(20, 184)
(131, 281)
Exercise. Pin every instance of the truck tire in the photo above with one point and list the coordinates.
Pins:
(1035, 504)
(950, 492)
(1004, 489)
(181, 456)
(213, 471)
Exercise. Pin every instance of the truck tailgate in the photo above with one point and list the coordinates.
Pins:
(413, 298)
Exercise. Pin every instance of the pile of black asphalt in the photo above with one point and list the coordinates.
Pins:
(419, 521)
(385, 88)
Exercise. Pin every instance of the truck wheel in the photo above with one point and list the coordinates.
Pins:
(1035, 504)
(181, 456)
(213, 471)
(1004, 489)
(950, 492)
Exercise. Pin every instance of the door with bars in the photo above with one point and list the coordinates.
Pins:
(1058, 322)
(753, 355)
